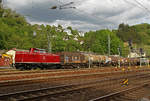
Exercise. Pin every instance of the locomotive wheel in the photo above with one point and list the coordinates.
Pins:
(58, 66)
(34, 67)
(21, 68)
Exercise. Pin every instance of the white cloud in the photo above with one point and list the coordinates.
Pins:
(84, 26)
(22, 3)
(12, 3)
(89, 15)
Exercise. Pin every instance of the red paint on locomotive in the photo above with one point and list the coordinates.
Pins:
(36, 58)
(35, 55)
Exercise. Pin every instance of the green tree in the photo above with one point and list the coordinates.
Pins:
(98, 42)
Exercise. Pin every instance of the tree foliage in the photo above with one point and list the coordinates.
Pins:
(139, 34)
(16, 32)
(98, 42)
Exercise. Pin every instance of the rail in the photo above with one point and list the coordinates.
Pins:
(106, 97)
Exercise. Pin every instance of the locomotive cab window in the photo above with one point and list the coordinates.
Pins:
(36, 51)
(42, 51)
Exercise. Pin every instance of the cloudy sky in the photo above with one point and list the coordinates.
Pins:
(88, 15)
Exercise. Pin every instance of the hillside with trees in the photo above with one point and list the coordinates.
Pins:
(16, 32)
(98, 42)
(139, 35)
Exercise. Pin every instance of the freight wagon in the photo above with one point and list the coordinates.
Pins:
(82, 60)
(72, 60)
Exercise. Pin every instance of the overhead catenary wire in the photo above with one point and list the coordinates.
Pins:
(145, 8)
(98, 20)
(133, 4)
(67, 4)
(97, 17)
(139, 5)
(142, 5)
(79, 10)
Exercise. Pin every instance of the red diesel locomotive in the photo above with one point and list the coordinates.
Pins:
(34, 58)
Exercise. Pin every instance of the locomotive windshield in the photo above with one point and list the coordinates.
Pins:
(39, 50)
(42, 51)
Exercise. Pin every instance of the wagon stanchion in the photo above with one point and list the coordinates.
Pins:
(148, 62)
(89, 61)
(99, 63)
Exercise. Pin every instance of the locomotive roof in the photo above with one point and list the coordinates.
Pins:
(30, 49)
(39, 49)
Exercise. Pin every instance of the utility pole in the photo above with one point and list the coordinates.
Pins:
(119, 55)
(130, 50)
(108, 45)
(89, 59)
(129, 56)
(49, 42)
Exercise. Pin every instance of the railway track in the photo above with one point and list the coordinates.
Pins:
(72, 89)
(36, 74)
(13, 71)
(30, 80)
(102, 69)
(52, 92)
(120, 95)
